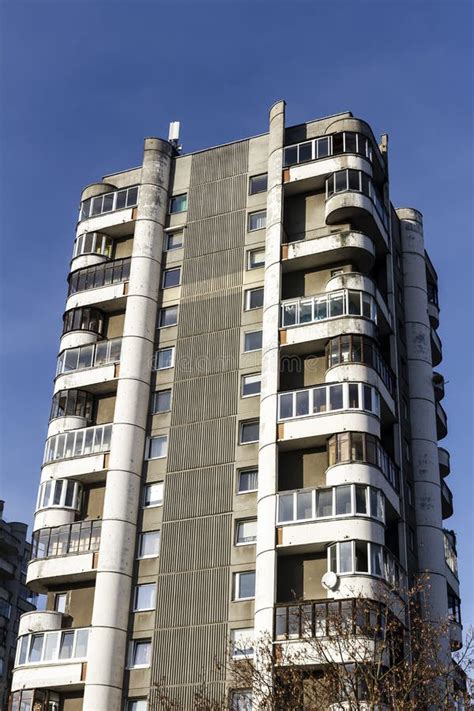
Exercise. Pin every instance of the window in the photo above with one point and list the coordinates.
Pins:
(251, 384)
(168, 316)
(407, 451)
(254, 298)
(256, 258)
(242, 642)
(163, 358)
(107, 202)
(179, 203)
(241, 700)
(246, 531)
(153, 494)
(137, 705)
(336, 272)
(149, 544)
(157, 447)
(258, 184)
(174, 240)
(171, 277)
(140, 653)
(244, 585)
(257, 220)
(84, 319)
(60, 602)
(252, 341)
(247, 480)
(409, 494)
(161, 401)
(145, 597)
(249, 432)
(411, 539)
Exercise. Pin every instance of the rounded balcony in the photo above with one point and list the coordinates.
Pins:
(91, 249)
(104, 208)
(316, 250)
(59, 501)
(94, 365)
(436, 348)
(104, 284)
(441, 422)
(433, 305)
(438, 386)
(79, 454)
(70, 410)
(39, 621)
(82, 326)
(447, 508)
(444, 461)
(363, 284)
(455, 635)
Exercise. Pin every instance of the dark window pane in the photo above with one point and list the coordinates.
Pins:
(291, 155)
(305, 152)
(258, 184)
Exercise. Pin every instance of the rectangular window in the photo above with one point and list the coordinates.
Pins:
(137, 705)
(247, 480)
(258, 184)
(149, 544)
(161, 401)
(252, 341)
(171, 277)
(411, 539)
(179, 203)
(251, 384)
(257, 220)
(153, 494)
(164, 358)
(241, 700)
(244, 585)
(254, 299)
(246, 532)
(168, 316)
(145, 597)
(174, 240)
(60, 602)
(140, 653)
(157, 447)
(249, 432)
(242, 642)
(255, 258)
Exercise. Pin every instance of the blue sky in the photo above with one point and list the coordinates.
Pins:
(83, 82)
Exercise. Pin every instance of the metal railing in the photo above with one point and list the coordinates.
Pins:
(77, 443)
(71, 538)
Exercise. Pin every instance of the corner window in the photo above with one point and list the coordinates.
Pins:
(149, 544)
(251, 384)
(246, 532)
(252, 341)
(254, 299)
(244, 585)
(258, 184)
(257, 220)
(145, 597)
(140, 653)
(168, 316)
(179, 203)
(171, 277)
(174, 240)
(163, 358)
(247, 480)
(255, 258)
(161, 401)
(157, 447)
(249, 432)
(153, 494)
(242, 642)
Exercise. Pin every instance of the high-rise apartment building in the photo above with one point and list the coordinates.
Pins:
(245, 401)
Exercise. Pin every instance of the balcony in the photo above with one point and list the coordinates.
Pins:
(436, 348)
(82, 326)
(114, 209)
(107, 282)
(447, 508)
(444, 461)
(352, 558)
(441, 422)
(78, 453)
(93, 366)
(64, 553)
(308, 416)
(450, 554)
(455, 635)
(91, 248)
(314, 250)
(438, 386)
(433, 305)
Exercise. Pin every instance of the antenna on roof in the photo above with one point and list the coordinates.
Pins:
(173, 135)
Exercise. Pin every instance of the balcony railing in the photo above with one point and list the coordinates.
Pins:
(450, 554)
(351, 348)
(333, 304)
(90, 356)
(109, 202)
(77, 443)
(359, 182)
(72, 538)
(334, 502)
(327, 618)
(99, 275)
(328, 398)
(52, 647)
(326, 146)
(359, 447)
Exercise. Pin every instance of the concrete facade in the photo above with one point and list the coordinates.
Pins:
(244, 401)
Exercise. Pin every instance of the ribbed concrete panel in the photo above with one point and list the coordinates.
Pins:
(219, 163)
(184, 696)
(209, 399)
(212, 272)
(193, 598)
(188, 652)
(211, 199)
(199, 492)
(215, 312)
(202, 444)
(182, 543)
(215, 234)
(208, 353)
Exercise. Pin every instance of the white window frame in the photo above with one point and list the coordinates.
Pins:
(167, 308)
(243, 471)
(175, 197)
(236, 585)
(132, 707)
(250, 266)
(239, 697)
(248, 293)
(163, 278)
(243, 380)
(250, 636)
(238, 522)
(249, 220)
(149, 485)
(242, 424)
(252, 177)
(154, 411)
(149, 446)
(172, 233)
(252, 350)
(140, 556)
(136, 594)
(155, 358)
(131, 653)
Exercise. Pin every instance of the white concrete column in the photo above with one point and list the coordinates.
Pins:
(107, 653)
(268, 452)
(424, 444)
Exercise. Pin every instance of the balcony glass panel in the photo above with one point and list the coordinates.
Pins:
(79, 537)
(353, 348)
(93, 243)
(92, 355)
(356, 181)
(109, 202)
(99, 275)
(328, 398)
(350, 447)
(52, 646)
(333, 502)
(84, 319)
(77, 443)
(352, 557)
(334, 304)
(336, 144)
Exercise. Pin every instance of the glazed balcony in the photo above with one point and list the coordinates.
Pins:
(444, 461)
(81, 453)
(310, 415)
(438, 386)
(112, 211)
(455, 635)
(441, 422)
(95, 366)
(82, 326)
(91, 248)
(64, 553)
(436, 348)
(447, 507)
(104, 284)
(450, 554)
(433, 305)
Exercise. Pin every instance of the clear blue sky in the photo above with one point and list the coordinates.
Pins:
(83, 82)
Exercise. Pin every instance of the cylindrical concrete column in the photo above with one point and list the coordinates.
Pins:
(424, 444)
(107, 651)
(268, 453)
